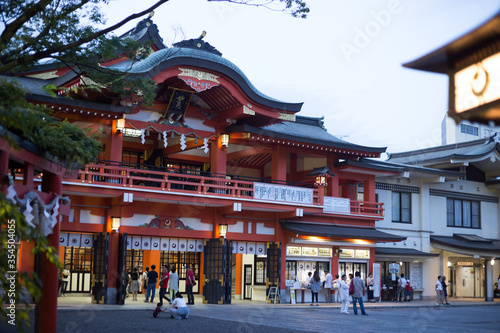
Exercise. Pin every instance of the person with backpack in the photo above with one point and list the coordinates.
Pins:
(344, 294)
(401, 288)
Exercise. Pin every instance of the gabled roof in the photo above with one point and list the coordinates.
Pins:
(391, 167)
(442, 59)
(202, 57)
(457, 243)
(304, 129)
(466, 151)
(145, 31)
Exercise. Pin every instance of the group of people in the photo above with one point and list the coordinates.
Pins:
(442, 291)
(344, 291)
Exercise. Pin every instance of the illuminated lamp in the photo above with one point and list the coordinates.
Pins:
(224, 139)
(120, 125)
(321, 175)
(223, 230)
(115, 223)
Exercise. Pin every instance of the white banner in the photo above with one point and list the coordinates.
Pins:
(271, 192)
(174, 244)
(260, 248)
(155, 243)
(136, 242)
(63, 239)
(182, 245)
(191, 245)
(376, 279)
(87, 240)
(165, 244)
(74, 240)
(199, 245)
(146, 243)
(250, 248)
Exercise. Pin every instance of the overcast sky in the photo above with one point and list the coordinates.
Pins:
(344, 61)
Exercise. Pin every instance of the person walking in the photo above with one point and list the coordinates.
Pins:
(174, 282)
(65, 279)
(445, 290)
(343, 291)
(152, 278)
(401, 288)
(315, 285)
(359, 291)
(179, 308)
(328, 286)
(190, 283)
(336, 289)
(145, 280)
(370, 282)
(134, 284)
(164, 284)
(439, 291)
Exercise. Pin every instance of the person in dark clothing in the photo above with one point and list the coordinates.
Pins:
(152, 278)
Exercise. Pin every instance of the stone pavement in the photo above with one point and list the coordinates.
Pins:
(77, 302)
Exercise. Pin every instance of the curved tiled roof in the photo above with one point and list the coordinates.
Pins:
(174, 56)
(481, 148)
(304, 129)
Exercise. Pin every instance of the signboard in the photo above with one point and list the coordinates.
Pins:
(310, 251)
(376, 279)
(347, 253)
(465, 263)
(394, 268)
(336, 205)
(362, 254)
(293, 251)
(477, 84)
(416, 275)
(325, 252)
(271, 192)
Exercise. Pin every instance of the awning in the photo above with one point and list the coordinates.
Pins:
(468, 245)
(394, 253)
(339, 232)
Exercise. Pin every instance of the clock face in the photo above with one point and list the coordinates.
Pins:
(480, 81)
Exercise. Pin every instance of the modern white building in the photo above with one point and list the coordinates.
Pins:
(451, 132)
(451, 220)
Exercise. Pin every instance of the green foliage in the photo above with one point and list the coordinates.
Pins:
(14, 284)
(34, 124)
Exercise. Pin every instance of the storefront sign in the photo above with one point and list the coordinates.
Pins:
(465, 263)
(394, 268)
(376, 279)
(310, 251)
(416, 275)
(347, 253)
(336, 205)
(325, 252)
(293, 251)
(477, 84)
(270, 192)
(362, 254)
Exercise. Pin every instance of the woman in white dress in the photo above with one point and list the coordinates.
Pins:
(173, 283)
(344, 294)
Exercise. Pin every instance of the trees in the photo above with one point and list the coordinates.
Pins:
(64, 32)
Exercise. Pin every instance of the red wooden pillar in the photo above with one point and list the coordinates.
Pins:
(114, 144)
(332, 188)
(372, 260)
(51, 183)
(279, 163)
(218, 157)
(369, 189)
(112, 260)
(293, 168)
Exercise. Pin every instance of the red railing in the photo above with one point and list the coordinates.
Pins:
(170, 181)
(122, 177)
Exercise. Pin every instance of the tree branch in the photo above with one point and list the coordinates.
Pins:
(60, 48)
(11, 29)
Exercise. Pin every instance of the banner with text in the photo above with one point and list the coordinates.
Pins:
(271, 192)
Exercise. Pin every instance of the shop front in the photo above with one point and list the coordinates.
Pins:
(414, 264)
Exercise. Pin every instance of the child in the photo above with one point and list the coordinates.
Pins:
(156, 312)
(408, 291)
(179, 308)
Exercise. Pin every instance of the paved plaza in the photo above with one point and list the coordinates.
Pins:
(76, 315)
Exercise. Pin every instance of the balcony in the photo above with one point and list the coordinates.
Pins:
(123, 175)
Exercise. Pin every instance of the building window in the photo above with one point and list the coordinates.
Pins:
(134, 259)
(260, 270)
(462, 213)
(180, 260)
(291, 266)
(467, 129)
(401, 207)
